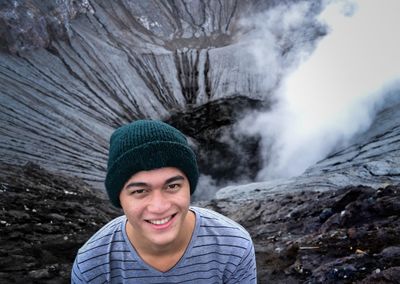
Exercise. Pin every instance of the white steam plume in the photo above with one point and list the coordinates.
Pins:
(275, 40)
(333, 94)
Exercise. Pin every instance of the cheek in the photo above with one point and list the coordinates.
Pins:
(183, 199)
(135, 217)
(130, 208)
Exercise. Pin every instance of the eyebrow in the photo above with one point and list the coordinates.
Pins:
(175, 178)
(136, 184)
(144, 184)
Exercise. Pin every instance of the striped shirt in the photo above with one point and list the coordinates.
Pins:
(220, 251)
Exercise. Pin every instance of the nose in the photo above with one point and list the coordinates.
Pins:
(158, 203)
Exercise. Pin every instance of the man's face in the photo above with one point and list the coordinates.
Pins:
(156, 203)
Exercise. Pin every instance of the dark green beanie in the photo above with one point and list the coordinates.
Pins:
(146, 145)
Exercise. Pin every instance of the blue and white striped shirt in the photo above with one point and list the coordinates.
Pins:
(220, 251)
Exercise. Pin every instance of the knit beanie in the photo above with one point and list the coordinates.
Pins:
(146, 145)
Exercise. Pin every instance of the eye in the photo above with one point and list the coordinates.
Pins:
(173, 187)
(138, 192)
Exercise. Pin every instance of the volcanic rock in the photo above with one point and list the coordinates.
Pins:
(297, 241)
(46, 217)
(72, 71)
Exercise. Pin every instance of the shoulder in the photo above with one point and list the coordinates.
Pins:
(214, 224)
(105, 235)
(95, 252)
(93, 261)
(211, 218)
(221, 244)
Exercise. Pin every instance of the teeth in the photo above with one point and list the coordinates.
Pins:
(160, 222)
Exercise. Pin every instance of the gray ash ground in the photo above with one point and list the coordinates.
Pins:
(347, 236)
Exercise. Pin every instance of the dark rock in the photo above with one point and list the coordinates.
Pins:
(387, 276)
(222, 152)
(40, 232)
(391, 252)
(325, 214)
(294, 244)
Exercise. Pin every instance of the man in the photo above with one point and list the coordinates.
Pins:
(151, 174)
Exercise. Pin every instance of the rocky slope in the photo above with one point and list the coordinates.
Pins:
(71, 71)
(373, 159)
(350, 235)
(44, 219)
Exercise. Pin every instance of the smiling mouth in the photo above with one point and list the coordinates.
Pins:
(161, 221)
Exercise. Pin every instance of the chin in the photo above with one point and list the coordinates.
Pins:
(165, 239)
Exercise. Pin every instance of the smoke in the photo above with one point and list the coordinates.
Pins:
(327, 96)
(206, 188)
(277, 39)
